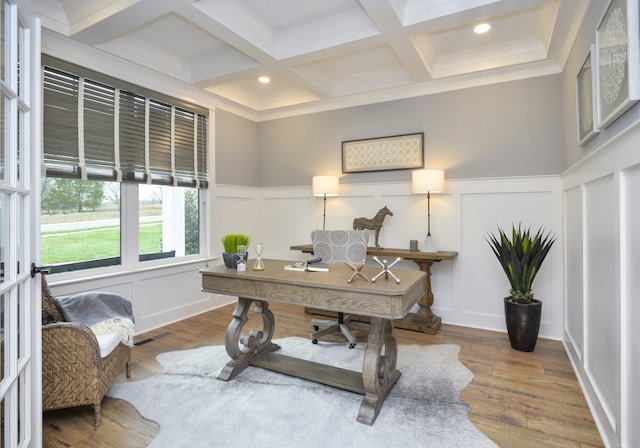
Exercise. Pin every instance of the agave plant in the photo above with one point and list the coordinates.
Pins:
(521, 258)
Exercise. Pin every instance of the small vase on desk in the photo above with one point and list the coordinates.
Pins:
(258, 265)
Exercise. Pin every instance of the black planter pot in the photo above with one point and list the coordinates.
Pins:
(523, 323)
(230, 259)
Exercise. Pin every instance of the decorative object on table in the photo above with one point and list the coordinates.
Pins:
(374, 223)
(413, 245)
(357, 271)
(386, 270)
(324, 186)
(428, 181)
(241, 264)
(230, 243)
(521, 257)
(586, 99)
(398, 152)
(259, 264)
(618, 60)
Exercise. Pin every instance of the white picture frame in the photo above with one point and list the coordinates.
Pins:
(587, 98)
(618, 60)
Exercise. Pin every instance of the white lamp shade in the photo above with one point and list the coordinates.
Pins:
(325, 185)
(427, 181)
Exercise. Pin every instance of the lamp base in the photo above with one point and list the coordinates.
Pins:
(428, 245)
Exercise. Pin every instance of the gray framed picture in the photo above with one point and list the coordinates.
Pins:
(618, 60)
(586, 99)
(396, 152)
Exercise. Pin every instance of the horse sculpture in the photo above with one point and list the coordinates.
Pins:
(374, 223)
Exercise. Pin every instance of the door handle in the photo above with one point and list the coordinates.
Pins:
(39, 270)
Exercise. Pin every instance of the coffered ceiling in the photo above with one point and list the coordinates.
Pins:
(323, 54)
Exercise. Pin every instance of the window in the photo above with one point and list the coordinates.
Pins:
(80, 223)
(168, 223)
(107, 144)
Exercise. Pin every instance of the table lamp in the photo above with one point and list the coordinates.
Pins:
(325, 186)
(428, 181)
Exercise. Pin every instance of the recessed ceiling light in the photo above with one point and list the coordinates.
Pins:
(481, 28)
(264, 79)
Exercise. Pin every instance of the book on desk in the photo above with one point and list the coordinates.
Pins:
(304, 266)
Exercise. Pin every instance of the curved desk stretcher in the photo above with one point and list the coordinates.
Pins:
(383, 302)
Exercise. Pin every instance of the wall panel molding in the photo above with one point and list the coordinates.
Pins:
(602, 253)
(470, 289)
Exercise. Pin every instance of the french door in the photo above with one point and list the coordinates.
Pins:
(20, 359)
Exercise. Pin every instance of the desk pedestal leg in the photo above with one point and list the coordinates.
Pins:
(242, 348)
(424, 320)
(379, 372)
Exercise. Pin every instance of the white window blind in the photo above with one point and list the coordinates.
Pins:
(93, 130)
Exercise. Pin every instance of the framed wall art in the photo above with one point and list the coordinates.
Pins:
(397, 152)
(586, 99)
(618, 60)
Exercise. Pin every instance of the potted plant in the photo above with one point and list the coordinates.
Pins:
(521, 257)
(230, 243)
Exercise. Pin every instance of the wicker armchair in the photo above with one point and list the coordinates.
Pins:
(73, 373)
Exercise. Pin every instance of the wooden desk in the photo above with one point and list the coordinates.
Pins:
(382, 302)
(424, 320)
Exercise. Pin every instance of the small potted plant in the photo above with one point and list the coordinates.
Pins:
(230, 243)
(521, 258)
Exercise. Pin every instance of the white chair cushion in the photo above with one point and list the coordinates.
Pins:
(108, 342)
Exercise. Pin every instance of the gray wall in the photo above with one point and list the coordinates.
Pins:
(508, 129)
(237, 157)
(587, 36)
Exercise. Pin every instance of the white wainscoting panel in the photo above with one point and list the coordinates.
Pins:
(574, 306)
(235, 210)
(159, 296)
(602, 301)
(529, 210)
(630, 305)
(285, 219)
(484, 283)
(602, 257)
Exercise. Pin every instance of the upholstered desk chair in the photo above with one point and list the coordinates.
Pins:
(339, 246)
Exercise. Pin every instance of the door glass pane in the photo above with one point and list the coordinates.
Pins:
(20, 148)
(22, 406)
(2, 418)
(4, 235)
(3, 318)
(20, 62)
(23, 310)
(3, 139)
(20, 234)
(2, 37)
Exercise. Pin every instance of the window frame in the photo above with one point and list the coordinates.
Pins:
(129, 247)
(129, 197)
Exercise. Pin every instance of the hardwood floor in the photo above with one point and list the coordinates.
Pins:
(523, 400)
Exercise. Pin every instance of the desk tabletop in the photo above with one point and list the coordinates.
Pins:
(390, 252)
(323, 290)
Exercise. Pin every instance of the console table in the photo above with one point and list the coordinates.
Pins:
(382, 302)
(424, 320)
